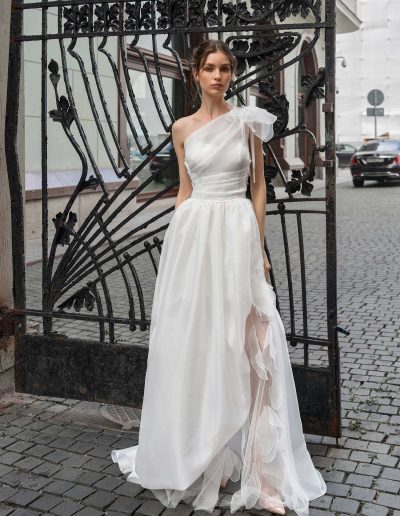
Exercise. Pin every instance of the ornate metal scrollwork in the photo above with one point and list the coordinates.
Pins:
(82, 298)
(313, 87)
(64, 228)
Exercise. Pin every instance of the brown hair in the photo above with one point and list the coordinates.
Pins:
(200, 53)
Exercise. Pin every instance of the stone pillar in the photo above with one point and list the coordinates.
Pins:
(7, 383)
(6, 298)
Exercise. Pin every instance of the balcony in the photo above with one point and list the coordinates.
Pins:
(346, 16)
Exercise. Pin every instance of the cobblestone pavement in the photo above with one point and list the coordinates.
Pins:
(54, 462)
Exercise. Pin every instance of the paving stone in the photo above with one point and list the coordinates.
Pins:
(345, 505)
(100, 499)
(390, 486)
(96, 464)
(66, 508)
(23, 497)
(359, 480)
(5, 469)
(21, 421)
(37, 425)
(35, 482)
(371, 509)
(46, 502)
(80, 447)
(101, 452)
(389, 500)
(28, 435)
(6, 492)
(89, 511)
(89, 437)
(127, 505)
(112, 469)
(323, 502)
(89, 477)
(15, 477)
(362, 494)
(392, 473)
(70, 432)
(107, 440)
(184, 510)
(10, 458)
(75, 461)
(46, 469)
(62, 443)
(368, 469)
(39, 451)
(43, 439)
(57, 456)
(335, 489)
(58, 487)
(28, 463)
(7, 440)
(25, 512)
(129, 489)
(79, 492)
(345, 465)
(5, 510)
(19, 446)
(151, 508)
(68, 474)
(109, 483)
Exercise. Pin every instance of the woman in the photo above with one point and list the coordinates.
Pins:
(219, 402)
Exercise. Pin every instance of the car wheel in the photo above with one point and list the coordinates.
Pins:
(358, 181)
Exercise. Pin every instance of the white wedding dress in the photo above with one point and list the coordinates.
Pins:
(219, 399)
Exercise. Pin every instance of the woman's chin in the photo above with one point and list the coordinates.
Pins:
(217, 92)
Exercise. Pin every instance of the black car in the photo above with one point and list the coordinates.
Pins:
(344, 152)
(377, 160)
(166, 160)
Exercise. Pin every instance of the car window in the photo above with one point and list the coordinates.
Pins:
(381, 146)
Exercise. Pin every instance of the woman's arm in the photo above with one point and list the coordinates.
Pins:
(258, 192)
(185, 183)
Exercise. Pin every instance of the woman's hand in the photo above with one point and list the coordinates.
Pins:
(267, 265)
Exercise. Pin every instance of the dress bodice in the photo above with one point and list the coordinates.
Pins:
(217, 155)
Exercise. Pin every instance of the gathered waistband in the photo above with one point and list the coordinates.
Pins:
(207, 193)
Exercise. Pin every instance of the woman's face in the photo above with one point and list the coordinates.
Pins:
(215, 74)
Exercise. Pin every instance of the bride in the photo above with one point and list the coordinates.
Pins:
(219, 401)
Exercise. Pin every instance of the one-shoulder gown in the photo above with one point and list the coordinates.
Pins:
(219, 398)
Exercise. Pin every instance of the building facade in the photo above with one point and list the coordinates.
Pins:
(372, 60)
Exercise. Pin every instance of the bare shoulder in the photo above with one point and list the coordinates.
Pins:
(181, 127)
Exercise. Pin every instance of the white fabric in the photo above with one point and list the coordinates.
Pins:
(219, 400)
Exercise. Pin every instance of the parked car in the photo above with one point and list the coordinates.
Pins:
(161, 160)
(377, 160)
(344, 152)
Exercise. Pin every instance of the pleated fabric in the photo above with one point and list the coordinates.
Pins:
(219, 400)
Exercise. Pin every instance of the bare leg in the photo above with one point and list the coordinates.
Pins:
(269, 498)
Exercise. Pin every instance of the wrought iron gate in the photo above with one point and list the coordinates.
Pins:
(98, 267)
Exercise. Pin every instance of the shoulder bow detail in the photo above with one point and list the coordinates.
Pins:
(260, 122)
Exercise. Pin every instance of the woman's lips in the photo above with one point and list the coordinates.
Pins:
(216, 86)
